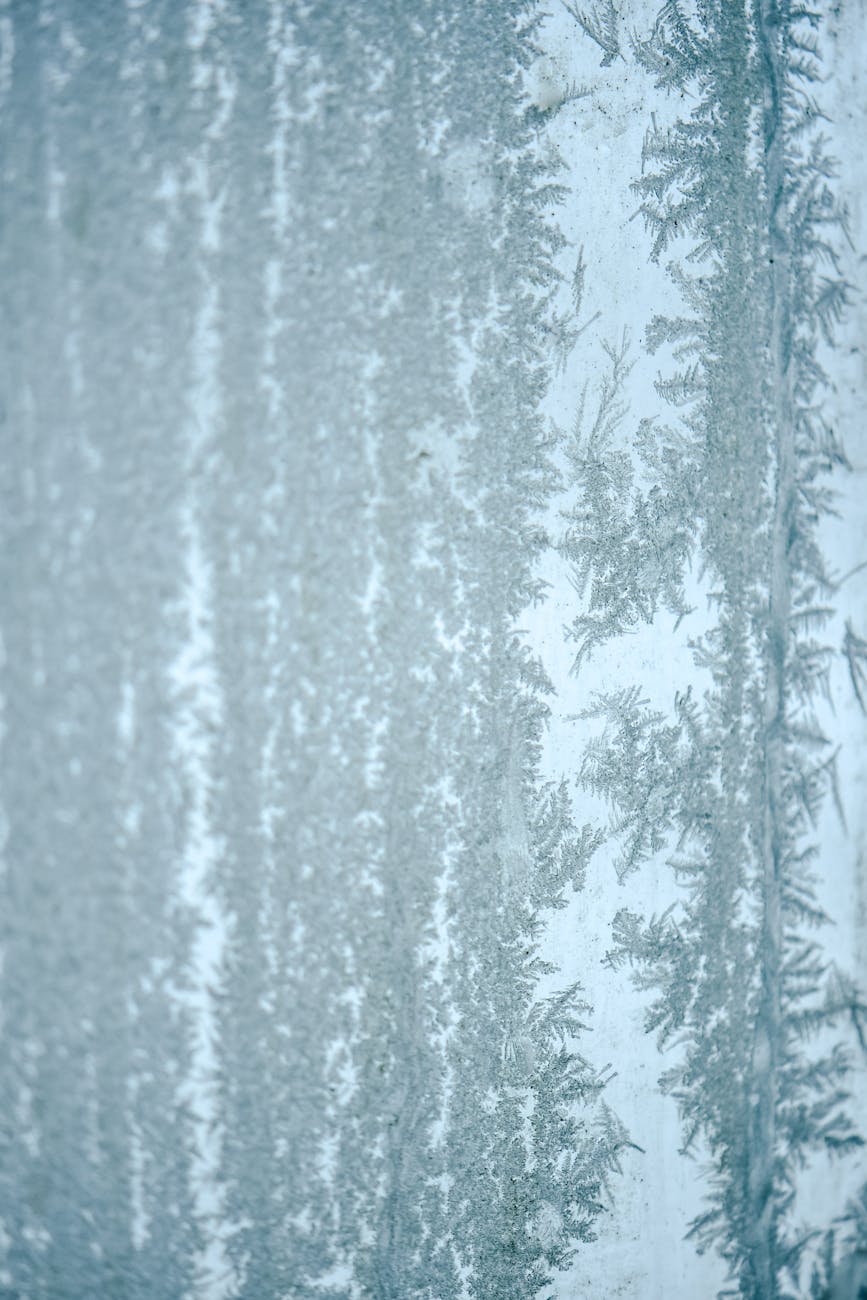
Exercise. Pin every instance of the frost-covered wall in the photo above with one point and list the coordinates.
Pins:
(434, 650)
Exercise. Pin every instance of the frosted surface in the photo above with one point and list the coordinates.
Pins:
(433, 676)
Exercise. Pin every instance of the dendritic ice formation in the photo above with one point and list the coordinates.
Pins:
(337, 492)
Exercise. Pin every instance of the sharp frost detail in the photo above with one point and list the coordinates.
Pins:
(730, 489)
(301, 891)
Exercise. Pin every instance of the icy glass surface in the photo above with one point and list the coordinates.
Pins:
(433, 650)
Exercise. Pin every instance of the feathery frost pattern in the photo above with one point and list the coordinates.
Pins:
(740, 193)
(288, 849)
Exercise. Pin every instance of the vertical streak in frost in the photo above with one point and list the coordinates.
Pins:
(769, 1032)
(7, 50)
(194, 673)
(7, 53)
(280, 45)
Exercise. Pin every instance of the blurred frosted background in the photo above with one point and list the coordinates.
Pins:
(432, 506)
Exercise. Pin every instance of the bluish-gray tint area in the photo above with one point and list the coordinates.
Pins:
(434, 651)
